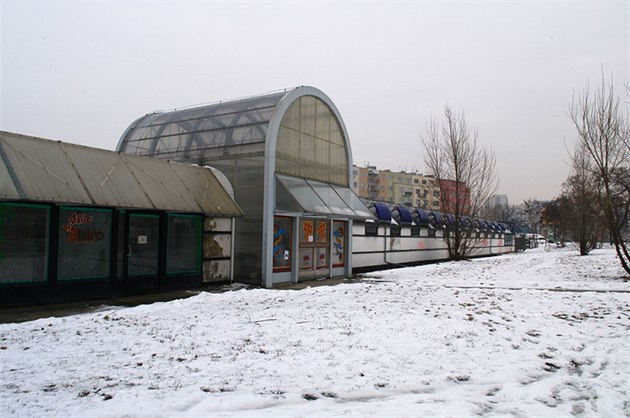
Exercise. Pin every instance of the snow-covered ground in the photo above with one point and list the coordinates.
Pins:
(539, 333)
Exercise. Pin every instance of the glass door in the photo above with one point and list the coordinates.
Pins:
(322, 249)
(314, 251)
(142, 246)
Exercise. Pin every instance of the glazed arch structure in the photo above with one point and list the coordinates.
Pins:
(289, 161)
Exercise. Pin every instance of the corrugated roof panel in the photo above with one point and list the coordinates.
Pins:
(107, 177)
(206, 189)
(49, 171)
(43, 170)
(8, 189)
(161, 184)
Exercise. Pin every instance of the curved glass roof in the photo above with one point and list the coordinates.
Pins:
(213, 130)
(303, 125)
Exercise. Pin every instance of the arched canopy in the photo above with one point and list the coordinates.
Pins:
(307, 135)
(381, 212)
(210, 131)
(437, 219)
(402, 215)
(421, 217)
(285, 153)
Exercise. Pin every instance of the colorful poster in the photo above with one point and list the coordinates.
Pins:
(322, 257)
(338, 243)
(306, 231)
(322, 232)
(281, 244)
(306, 258)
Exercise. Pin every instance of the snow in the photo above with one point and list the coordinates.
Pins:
(538, 333)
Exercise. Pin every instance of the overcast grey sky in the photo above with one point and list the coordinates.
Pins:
(81, 72)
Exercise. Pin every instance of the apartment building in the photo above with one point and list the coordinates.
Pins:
(397, 187)
(427, 192)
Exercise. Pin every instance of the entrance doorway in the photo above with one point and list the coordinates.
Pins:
(314, 249)
(142, 257)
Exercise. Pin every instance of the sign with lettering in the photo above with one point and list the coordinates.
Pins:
(84, 243)
(79, 229)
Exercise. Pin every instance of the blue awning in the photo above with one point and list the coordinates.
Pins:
(382, 212)
(421, 217)
(438, 220)
(405, 215)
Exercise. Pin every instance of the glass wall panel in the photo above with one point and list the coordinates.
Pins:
(246, 177)
(184, 244)
(307, 149)
(321, 152)
(338, 174)
(308, 114)
(84, 243)
(23, 243)
(291, 147)
(323, 122)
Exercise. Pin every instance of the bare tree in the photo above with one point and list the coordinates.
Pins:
(582, 191)
(533, 213)
(453, 154)
(554, 216)
(603, 131)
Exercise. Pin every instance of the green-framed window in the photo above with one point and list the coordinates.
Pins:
(24, 243)
(84, 243)
(184, 248)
